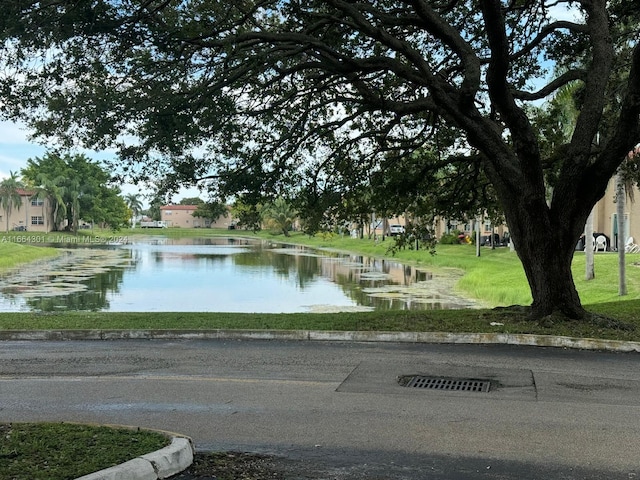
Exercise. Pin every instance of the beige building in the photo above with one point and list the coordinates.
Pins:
(605, 215)
(181, 216)
(604, 219)
(31, 215)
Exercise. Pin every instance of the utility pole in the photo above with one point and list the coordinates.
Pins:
(620, 200)
(588, 248)
(478, 222)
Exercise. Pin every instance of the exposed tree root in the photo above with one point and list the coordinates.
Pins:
(522, 312)
(603, 321)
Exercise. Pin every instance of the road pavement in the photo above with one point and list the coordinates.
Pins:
(339, 408)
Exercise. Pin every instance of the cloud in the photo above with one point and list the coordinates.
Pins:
(13, 133)
(566, 13)
(15, 148)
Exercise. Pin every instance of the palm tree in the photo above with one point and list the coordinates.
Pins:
(72, 192)
(135, 205)
(52, 190)
(9, 195)
(280, 215)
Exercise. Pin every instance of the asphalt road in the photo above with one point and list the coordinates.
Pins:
(339, 409)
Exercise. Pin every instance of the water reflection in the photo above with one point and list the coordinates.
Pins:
(221, 274)
(79, 279)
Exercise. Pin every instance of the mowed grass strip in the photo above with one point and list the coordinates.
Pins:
(454, 321)
(61, 451)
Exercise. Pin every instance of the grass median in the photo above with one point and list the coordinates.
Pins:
(455, 321)
(60, 451)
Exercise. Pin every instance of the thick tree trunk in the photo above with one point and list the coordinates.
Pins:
(546, 248)
(548, 271)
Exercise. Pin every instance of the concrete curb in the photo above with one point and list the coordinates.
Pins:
(163, 463)
(335, 336)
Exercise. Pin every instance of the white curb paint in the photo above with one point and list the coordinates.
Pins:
(172, 459)
(328, 335)
(161, 464)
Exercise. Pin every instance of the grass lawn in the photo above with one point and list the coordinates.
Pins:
(57, 451)
(13, 253)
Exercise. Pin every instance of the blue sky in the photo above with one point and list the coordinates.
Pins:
(16, 149)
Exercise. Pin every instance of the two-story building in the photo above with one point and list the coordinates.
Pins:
(605, 216)
(32, 214)
(604, 219)
(182, 216)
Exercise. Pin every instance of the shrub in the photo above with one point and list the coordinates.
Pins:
(450, 238)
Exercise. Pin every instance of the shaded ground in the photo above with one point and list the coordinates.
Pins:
(251, 466)
(232, 466)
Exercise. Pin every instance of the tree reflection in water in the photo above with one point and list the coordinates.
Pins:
(222, 274)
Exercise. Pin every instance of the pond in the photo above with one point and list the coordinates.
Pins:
(221, 275)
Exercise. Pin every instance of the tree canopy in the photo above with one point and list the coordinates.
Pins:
(314, 99)
(77, 189)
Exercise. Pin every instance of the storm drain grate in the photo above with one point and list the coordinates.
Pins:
(450, 384)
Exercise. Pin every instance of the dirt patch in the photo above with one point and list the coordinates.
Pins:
(234, 466)
(253, 466)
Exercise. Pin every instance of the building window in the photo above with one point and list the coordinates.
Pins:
(167, 212)
(37, 220)
(37, 202)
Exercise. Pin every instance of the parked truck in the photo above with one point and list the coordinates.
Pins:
(154, 224)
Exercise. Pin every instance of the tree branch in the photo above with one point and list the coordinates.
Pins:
(555, 84)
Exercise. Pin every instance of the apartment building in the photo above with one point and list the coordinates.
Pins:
(181, 216)
(31, 215)
(605, 216)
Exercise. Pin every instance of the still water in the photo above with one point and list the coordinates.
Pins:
(221, 275)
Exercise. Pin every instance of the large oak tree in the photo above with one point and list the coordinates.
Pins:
(312, 96)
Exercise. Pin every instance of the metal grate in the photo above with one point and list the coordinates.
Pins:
(450, 384)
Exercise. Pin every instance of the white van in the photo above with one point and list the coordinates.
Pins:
(396, 229)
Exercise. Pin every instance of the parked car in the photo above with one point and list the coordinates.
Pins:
(396, 230)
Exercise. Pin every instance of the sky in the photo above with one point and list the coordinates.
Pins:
(16, 149)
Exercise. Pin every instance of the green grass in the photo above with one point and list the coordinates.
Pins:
(60, 451)
(12, 254)
(470, 320)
